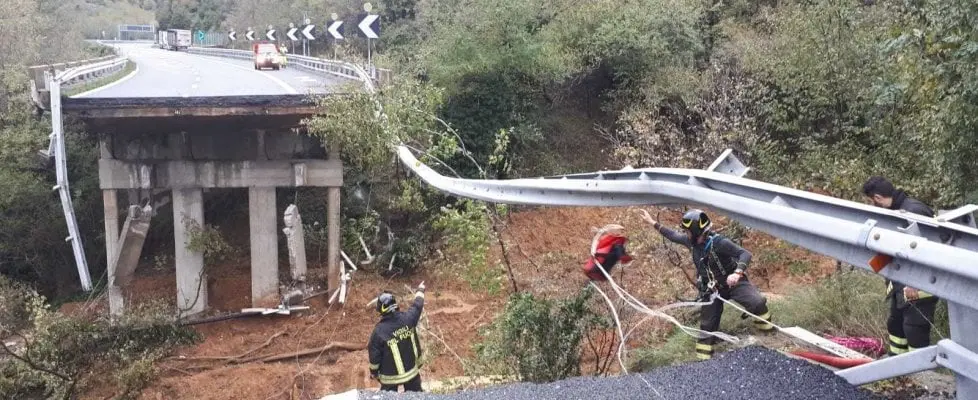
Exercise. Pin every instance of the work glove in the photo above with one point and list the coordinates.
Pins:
(421, 287)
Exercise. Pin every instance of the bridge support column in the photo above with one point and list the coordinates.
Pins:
(110, 207)
(333, 238)
(188, 205)
(264, 247)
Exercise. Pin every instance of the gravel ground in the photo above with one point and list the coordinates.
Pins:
(752, 372)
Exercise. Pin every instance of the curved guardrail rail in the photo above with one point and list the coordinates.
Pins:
(340, 69)
(939, 255)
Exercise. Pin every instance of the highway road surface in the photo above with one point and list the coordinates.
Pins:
(749, 373)
(165, 73)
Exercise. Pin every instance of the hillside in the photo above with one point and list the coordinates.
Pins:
(547, 248)
(92, 17)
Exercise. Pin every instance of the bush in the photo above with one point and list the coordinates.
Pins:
(538, 339)
(63, 353)
(467, 231)
(209, 241)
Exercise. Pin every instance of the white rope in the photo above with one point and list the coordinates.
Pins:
(642, 308)
(622, 340)
(636, 304)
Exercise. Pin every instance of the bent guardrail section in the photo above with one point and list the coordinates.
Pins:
(56, 148)
(932, 254)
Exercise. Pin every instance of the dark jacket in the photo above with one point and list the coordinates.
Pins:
(717, 256)
(395, 350)
(903, 202)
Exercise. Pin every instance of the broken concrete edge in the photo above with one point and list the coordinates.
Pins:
(270, 101)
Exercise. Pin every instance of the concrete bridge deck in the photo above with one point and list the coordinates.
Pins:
(165, 73)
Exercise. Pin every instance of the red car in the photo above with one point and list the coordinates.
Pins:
(267, 55)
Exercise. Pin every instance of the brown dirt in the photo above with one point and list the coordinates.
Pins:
(547, 248)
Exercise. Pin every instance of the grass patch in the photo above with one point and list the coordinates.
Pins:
(678, 349)
(130, 66)
(848, 303)
(799, 268)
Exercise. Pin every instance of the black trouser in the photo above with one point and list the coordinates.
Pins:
(909, 324)
(744, 293)
(413, 385)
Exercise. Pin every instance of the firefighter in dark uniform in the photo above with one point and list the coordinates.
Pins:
(911, 309)
(720, 267)
(395, 349)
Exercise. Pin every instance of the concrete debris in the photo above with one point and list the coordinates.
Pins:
(295, 236)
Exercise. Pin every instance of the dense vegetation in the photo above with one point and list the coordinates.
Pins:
(817, 95)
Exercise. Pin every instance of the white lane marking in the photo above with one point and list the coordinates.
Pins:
(100, 88)
(281, 83)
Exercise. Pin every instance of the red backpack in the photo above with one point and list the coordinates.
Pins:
(609, 251)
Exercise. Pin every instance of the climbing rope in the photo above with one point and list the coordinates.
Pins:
(660, 312)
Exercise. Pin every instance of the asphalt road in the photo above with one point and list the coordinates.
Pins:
(750, 373)
(165, 73)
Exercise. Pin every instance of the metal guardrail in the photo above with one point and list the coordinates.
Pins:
(337, 68)
(38, 73)
(76, 75)
(40, 82)
(938, 255)
(90, 72)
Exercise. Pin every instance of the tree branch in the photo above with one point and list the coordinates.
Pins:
(27, 360)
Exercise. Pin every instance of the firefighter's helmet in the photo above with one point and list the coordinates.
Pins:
(386, 303)
(696, 222)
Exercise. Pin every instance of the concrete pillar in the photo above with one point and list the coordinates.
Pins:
(191, 282)
(264, 247)
(333, 238)
(130, 245)
(295, 235)
(110, 207)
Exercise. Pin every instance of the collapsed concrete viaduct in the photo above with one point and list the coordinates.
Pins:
(186, 145)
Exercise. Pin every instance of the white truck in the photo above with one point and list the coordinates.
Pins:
(173, 39)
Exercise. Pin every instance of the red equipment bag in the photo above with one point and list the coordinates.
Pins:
(608, 251)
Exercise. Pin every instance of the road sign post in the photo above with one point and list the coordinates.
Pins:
(370, 26)
(307, 35)
(335, 30)
(291, 32)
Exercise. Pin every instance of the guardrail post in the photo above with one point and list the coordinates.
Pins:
(964, 326)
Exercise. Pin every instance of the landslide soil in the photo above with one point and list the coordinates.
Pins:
(546, 248)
